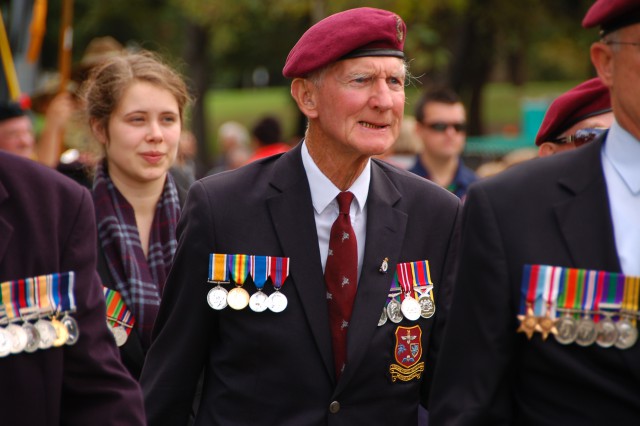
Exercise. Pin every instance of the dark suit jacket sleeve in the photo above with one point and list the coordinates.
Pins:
(97, 389)
(471, 384)
(443, 295)
(184, 326)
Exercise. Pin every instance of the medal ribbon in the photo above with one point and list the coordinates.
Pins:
(550, 294)
(406, 278)
(117, 311)
(6, 296)
(630, 301)
(529, 287)
(278, 271)
(259, 270)
(239, 267)
(542, 287)
(218, 271)
(589, 291)
(422, 274)
(600, 277)
(67, 292)
(394, 290)
(53, 284)
(18, 296)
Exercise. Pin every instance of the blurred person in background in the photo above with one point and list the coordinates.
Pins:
(233, 142)
(267, 138)
(441, 124)
(16, 130)
(575, 118)
(135, 105)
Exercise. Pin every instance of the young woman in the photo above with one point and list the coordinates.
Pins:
(135, 105)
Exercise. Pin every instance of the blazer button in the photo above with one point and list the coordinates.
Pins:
(334, 407)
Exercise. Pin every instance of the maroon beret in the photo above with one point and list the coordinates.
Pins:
(583, 101)
(364, 31)
(611, 15)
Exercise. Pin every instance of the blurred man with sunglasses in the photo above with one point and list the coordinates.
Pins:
(575, 118)
(542, 328)
(441, 125)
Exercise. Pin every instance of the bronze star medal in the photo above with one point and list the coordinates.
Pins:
(528, 323)
(546, 325)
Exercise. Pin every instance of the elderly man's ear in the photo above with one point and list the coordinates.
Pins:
(303, 91)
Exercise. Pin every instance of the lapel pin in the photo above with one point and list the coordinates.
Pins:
(384, 267)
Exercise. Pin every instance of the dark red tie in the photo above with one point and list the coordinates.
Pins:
(341, 277)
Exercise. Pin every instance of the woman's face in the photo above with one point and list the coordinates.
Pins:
(143, 134)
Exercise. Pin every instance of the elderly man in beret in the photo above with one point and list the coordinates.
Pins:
(542, 328)
(16, 131)
(575, 118)
(321, 230)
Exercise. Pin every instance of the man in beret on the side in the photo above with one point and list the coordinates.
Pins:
(334, 226)
(542, 328)
(16, 131)
(575, 118)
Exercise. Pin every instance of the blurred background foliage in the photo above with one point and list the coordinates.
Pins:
(493, 52)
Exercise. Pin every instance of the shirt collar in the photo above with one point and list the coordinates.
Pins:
(323, 191)
(623, 150)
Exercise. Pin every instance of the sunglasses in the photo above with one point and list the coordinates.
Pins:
(441, 126)
(580, 137)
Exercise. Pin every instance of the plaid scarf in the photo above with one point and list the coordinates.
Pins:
(139, 280)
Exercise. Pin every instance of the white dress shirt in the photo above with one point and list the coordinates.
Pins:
(621, 164)
(325, 205)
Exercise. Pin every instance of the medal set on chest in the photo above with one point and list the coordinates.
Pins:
(410, 295)
(581, 306)
(35, 313)
(119, 318)
(227, 268)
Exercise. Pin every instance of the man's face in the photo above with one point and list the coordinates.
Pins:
(600, 121)
(442, 130)
(359, 105)
(16, 136)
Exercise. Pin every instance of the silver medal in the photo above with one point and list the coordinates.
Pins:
(607, 333)
(47, 333)
(19, 338)
(586, 332)
(5, 342)
(627, 334)
(217, 298)
(427, 307)
(33, 337)
(383, 318)
(567, 330)
(394, 311)
(277, 301)
(72, 328)
(410, 308)
(119, 334)
(258, 301)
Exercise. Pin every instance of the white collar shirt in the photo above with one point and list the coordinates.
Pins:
(325, 205)
(621, 165)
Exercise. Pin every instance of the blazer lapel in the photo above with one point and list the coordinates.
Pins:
(292, 214)
(385, 232)
(584, 217)
(5, 227)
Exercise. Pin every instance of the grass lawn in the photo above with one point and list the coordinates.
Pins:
(503, 105)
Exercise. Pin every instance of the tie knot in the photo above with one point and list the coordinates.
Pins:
(344, 202)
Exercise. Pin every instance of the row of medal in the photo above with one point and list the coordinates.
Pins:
(410, 295)
(35, 314)
(238, 267)
(119, 318)
(580, 306)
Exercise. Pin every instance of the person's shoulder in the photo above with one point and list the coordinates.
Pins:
(542, 172)
(26, 176)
